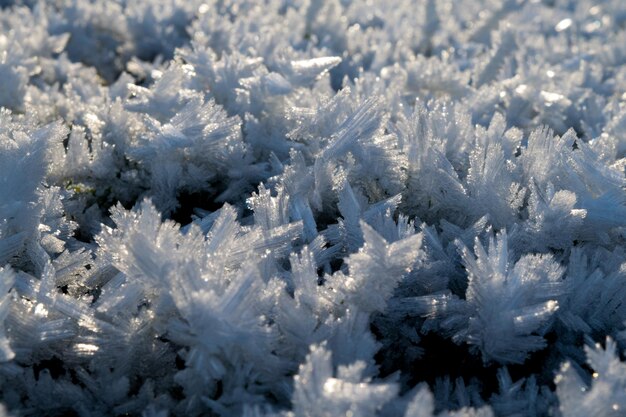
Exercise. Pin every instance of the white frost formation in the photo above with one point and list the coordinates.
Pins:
(312, 208)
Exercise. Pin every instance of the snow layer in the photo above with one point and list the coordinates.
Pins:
(313, 208)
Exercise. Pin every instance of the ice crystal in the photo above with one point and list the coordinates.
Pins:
(604, 396)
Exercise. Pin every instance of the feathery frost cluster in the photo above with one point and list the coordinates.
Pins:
(313, 208)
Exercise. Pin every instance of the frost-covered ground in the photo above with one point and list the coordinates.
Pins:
(313, 208)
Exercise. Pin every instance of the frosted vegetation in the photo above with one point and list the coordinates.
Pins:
(313, 208)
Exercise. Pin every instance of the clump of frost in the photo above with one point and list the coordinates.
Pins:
(604, 396)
